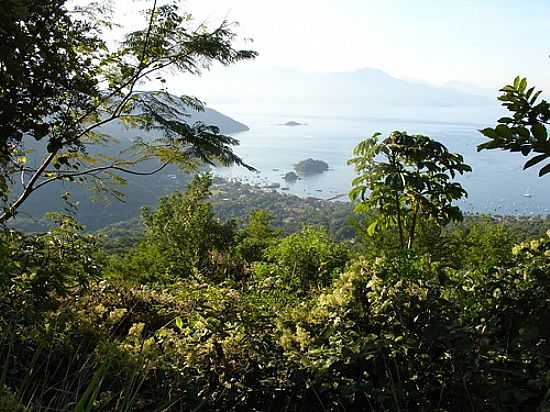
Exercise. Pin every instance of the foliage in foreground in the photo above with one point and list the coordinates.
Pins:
(62, 82)
(525, 129)
(272, 323)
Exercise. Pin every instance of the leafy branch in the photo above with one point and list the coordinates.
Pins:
(526, 130)
(105, 91)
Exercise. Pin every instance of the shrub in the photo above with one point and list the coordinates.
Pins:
(303, 261)
(181, 237)
(53, 263)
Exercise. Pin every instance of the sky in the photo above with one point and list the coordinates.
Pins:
(481, 43)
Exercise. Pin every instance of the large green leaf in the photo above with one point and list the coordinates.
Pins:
(371, 230)
(539, 132)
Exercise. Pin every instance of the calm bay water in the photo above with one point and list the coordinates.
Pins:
(497, 185)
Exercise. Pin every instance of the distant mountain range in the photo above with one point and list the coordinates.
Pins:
(366, 87)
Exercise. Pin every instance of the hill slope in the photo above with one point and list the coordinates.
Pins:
(140, 191)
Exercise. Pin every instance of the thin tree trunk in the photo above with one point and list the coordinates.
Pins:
(398, 208)
(399, 221)
(412, 229)
(12, 209)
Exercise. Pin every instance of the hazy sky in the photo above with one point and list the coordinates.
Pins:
(481, 42)
(484, 42)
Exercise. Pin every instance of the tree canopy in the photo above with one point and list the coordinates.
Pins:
(406, 179)
(61, 82)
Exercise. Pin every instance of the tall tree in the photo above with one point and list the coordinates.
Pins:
(60, 82)
(183, 232)
(406, 179)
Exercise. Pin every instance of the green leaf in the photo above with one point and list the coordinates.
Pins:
(545, 170)
(93, 389)
(534, 160)
(493, 144)
(504, 131)
(523, 132)
(371, 230)
(522, 85)
(535, 97)
(539, 132)
(489, 132)
(356, 193)
(179, 323)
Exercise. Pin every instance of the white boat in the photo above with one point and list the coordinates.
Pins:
(527, 194)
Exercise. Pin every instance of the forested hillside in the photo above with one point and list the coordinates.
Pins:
(136, 190)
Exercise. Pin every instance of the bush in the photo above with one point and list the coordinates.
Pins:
(8, 402)
(508, 306)
(386, 344)
(54, 263)
(303, 261)
(182, 239)
(256, 237)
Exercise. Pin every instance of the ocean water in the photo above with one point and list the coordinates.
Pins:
(497, 185)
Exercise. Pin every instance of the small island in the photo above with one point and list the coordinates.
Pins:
(292, 123)
(291, 177)
(311, 167)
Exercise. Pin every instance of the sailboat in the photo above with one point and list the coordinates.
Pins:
(527, 194)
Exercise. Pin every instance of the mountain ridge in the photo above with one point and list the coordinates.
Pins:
(369, 87)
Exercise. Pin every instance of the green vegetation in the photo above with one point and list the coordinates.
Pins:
(215, 302)
(206, 315)
(409, 186)
(236, 201)
(79, 85)
(310, 167)
(525, 131)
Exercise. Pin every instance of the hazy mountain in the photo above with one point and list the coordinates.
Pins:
(226, 124)
(209, 116)
(366, 87)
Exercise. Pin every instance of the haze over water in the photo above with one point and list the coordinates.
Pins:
(497, 185)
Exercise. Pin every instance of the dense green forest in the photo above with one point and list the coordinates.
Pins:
(224, 297)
